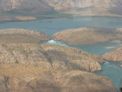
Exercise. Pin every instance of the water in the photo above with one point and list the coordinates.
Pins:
(114, 72)
(100, 48)
(52, 25)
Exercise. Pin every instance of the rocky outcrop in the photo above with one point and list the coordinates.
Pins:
(21, 36)
(88, 35)
(115, 55)
(48, 55)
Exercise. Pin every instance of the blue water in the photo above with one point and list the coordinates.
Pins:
(114, 72)
(52, 25)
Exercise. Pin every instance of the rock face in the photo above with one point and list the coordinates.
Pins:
(83, 7)
(88, 7)
(88, 35)
(115, 55)
(21, 36)
(24, 6)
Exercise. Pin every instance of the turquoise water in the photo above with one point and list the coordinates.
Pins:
(100, 48)
(114, 72)
(52, 25)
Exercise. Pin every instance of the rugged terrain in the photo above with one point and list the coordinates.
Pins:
(29, 66)
(88, 35)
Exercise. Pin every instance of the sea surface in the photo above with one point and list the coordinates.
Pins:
(51, 25)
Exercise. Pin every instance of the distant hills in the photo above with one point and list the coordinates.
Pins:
(81, 7)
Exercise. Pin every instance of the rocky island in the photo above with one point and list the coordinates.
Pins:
(31, 66)
(80, 36)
